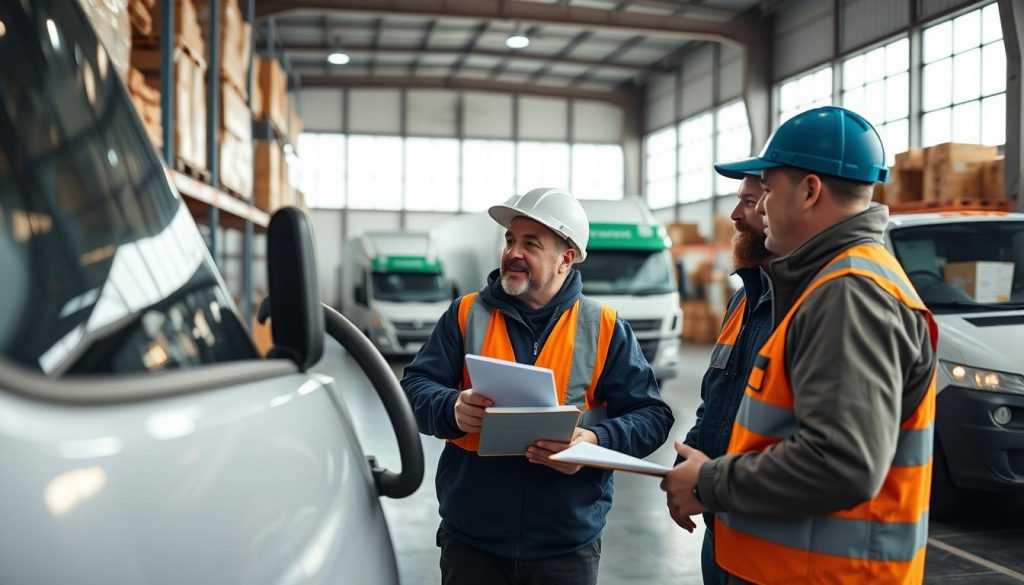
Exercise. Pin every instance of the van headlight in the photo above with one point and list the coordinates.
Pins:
(379, 321)
(983, 379)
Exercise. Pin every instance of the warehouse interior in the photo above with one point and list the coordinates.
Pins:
(393, 126)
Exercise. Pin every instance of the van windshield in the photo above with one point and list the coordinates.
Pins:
(965, 266)
(409, 287)
(627, 272)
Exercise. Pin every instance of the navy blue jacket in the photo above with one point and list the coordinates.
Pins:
(507, 505)
(722, 387)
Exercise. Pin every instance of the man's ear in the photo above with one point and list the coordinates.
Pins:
(568, 257)
(811, 190)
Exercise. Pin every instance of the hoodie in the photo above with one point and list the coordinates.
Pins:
(506, 505)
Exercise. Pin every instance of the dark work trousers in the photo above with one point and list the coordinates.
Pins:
(709, 569)
(462, 564)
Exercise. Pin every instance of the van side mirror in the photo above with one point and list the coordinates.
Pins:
(361, 295)
(297, 319)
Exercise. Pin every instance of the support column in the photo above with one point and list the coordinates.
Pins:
(1011, 16)
(757, 80)
(167, 79)
(212, 114)
(632, 141)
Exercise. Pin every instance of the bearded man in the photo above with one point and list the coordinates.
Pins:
(745, 328)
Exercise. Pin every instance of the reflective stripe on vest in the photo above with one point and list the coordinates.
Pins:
(575, 351)
(732, 324)
(882, 540)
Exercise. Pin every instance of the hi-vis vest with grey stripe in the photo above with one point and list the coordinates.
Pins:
(575, 351)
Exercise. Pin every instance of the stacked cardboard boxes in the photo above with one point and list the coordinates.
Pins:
(273, 94)
(189, 100)
(140, 14)
(944, 174)
(235, 38)
(146, 99)
(235, 142)
(267, 184)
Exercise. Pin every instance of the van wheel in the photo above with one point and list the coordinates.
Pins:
(944, 492)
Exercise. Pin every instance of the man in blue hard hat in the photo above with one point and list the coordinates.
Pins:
(745, 327)
(826, 477)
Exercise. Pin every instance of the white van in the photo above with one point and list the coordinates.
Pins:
(143, 437)
(393, 289)
(968, 268)
(628, 267)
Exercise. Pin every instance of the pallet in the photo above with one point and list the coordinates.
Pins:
(954, 205)
(192, 170)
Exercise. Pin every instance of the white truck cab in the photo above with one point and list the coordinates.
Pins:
(968, 268)
(393, 289)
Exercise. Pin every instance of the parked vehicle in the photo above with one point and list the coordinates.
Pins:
(969, 270)
(393, 289)
(143, 437)
(628, 267)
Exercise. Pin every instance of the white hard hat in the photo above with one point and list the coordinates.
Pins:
(555, 208)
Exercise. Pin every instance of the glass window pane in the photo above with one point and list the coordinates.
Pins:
(993, 120)
(488, 173)
(967, 123)
(967, 76)
(322, 169)
(854, 99)
(937, 86)
(874, 65)
(661, 193)
(375, 172)
(542, 164)
(897, 100)
(897, 57)
(432, 174)
(991, 28)
(874, 102)
(787, 96)
(938, 42)
(967, 31)
(853, 72)
(695, 185)
(895, 138)
(935, 127)
(993, 69)
(597, 171)
(823, 84)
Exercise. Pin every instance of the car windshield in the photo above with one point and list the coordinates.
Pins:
(103, 268)
(964, 266)
(627, 272)
(409, 287)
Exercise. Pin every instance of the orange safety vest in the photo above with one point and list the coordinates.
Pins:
(729, 333)
(881, 540)
(575, 350)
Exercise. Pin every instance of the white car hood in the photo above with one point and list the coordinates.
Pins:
(426, 312)
(991, 347)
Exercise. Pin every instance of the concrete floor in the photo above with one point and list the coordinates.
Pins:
(641, 543)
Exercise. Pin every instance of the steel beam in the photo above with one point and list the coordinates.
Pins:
(1011, 16)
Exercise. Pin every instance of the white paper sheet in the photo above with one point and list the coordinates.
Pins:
(592, 455)
(510, 383)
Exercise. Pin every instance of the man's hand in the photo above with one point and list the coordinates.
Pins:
(678, 487)
(541, 450)
(469, 411)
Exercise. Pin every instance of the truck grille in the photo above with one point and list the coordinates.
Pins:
(644, 324)
(414, 326)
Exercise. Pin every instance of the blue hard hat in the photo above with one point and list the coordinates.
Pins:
(739, 175)
(829, 140)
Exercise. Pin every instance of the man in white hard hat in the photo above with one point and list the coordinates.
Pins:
(529, 519)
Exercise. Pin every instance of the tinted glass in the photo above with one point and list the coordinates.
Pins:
(104, 268)
(409, 287)
(976, 266)
(623, 272)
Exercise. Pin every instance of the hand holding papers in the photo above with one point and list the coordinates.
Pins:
(525, 410)
(594, 456)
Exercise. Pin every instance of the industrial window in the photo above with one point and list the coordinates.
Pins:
(432, 174)
(696, 138)
(660, 148)
(597, 171)
(488, 173)
(375, 172)
(732, 128)
(541, 164)
(964, 80)
(322, 169)
(876, 85)
(808, 91)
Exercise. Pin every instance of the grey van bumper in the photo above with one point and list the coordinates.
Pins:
(981, 453)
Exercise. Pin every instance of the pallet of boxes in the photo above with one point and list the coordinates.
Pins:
(188, 75)
(705, 284)
(234, 131)
(272, 105)
(945, 176)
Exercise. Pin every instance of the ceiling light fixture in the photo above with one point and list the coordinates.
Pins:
(517, 41)
(338, 58)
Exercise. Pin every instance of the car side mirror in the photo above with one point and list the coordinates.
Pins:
(361, 295)
(297, 319)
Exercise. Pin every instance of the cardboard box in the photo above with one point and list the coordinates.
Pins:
(953, 171)
(906, 186)
(911, 160)
(274, 92)
(725, 230)
(684, 233)
(187, 33)
(985, 282)
(267, 180)
(992, 179)
(235, 36)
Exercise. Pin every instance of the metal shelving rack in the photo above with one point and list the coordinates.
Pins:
(220, 208)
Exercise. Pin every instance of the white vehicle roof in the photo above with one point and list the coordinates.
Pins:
(384, 244)
(630, 209)
(916, 219)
